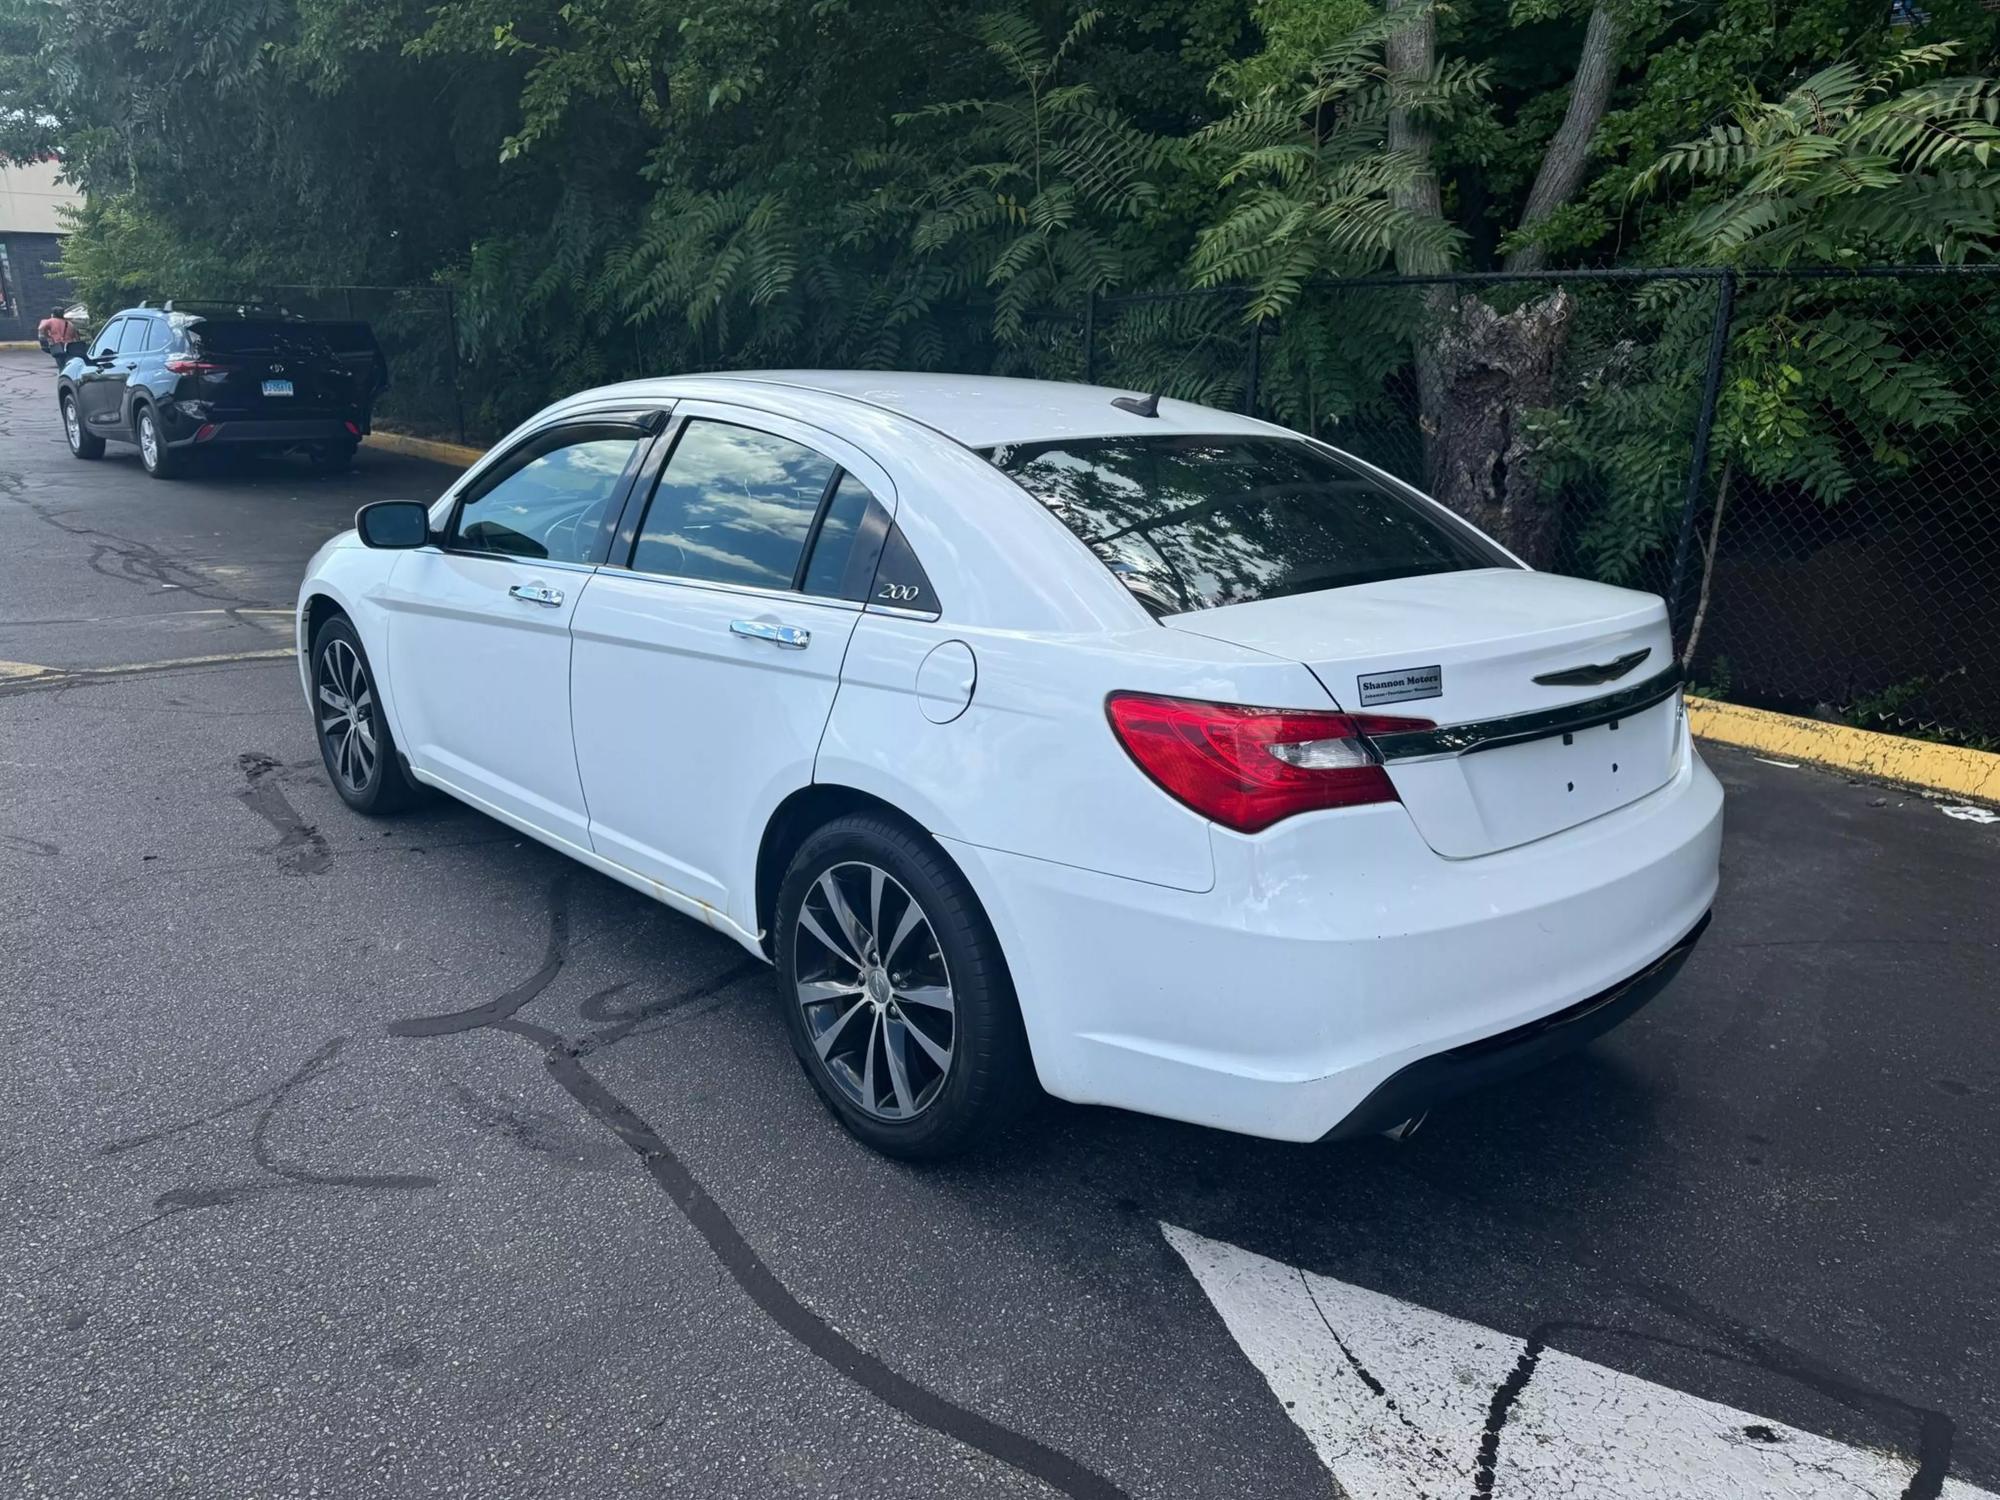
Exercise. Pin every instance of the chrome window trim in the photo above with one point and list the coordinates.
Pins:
(715, 586)
(1518, 729)
(896, 611)
(511, 558)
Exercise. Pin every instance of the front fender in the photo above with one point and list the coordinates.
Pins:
(350, 576)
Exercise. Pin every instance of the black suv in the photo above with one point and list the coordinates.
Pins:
(175, 379)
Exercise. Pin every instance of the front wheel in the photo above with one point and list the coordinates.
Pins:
(82, 444)
(160, 461)
(896, 996)
(354, 738)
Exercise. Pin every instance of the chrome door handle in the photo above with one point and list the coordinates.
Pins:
(777, 635)
(537, 593)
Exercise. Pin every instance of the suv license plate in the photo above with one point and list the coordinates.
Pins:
(277, 388)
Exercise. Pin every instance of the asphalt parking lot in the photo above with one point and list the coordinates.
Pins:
(359, 1159)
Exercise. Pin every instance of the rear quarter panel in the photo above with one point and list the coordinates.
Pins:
(1032, 766)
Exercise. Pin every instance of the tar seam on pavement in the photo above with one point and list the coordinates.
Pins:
(745, 1267)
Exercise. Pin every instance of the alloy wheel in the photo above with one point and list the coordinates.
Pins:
(346, 714)
(71, 426)
(149, 440)
(875, 993)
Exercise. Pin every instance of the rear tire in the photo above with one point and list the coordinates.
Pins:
(353, 733)
(896, 996)
(82, 444)
(159, 460)
(330, 458)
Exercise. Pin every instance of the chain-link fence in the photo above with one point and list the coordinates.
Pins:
(1800, 461)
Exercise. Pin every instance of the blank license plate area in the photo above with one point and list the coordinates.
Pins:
(1528, 791)
(277, 388)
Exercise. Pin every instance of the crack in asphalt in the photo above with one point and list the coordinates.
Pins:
(129, 560)
(564, 1062)
(279, 1176)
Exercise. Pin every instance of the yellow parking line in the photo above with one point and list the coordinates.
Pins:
(22, 672)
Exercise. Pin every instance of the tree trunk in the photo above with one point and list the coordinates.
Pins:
(1492, 369)
(1411, 53)
(1568, 154)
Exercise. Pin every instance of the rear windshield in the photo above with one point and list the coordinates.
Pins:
(257, 336)
(1192, 522)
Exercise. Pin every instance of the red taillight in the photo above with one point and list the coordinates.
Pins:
(1249, 767)
(193, 367)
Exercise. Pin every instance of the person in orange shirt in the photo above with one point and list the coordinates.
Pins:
(56, 334)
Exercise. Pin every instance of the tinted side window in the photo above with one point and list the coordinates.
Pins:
(156, 334)
(133, 337)
(107, 341)
(734, 506)
(553, 500)
(849, 543)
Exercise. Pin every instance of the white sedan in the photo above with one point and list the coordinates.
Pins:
(1041, 735)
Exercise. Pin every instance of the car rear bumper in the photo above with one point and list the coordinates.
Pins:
(194, 429)
(1410, 1092)
(1286, 1000)
(306, 430)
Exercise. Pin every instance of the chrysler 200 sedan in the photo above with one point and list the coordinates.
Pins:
(1041, 737)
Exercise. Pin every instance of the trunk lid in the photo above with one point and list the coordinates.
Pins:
(1465, 648)
(273, 371)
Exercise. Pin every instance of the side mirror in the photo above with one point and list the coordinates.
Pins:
(393, 523)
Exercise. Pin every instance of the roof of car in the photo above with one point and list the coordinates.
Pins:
(977, 410)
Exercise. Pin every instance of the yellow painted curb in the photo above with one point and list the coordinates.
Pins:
(455, 454)
(1944, 768)
(20, 344)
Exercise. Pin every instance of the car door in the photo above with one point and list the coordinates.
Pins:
(102, 383)
(707, 656)
(478, 639)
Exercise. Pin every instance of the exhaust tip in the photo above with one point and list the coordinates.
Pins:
(1408, 1128)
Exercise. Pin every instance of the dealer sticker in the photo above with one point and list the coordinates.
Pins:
(1401, 685)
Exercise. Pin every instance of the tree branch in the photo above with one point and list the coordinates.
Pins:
(1568, 155)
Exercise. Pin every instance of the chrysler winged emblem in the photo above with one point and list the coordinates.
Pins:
(1591, 673)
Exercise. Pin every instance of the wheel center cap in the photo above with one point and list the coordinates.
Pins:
(877, 984)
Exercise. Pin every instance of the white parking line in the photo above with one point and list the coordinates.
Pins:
(1402, 1402)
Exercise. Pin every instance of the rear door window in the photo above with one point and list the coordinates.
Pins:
(132, 337)
(1195, 522)
(849, 542)
(734, 505)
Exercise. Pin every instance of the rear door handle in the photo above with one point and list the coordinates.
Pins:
(537, 593)
(769, 630)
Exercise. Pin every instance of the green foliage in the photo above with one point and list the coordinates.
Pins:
(1311, 180)
(1031, 186)
(1852, 164)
